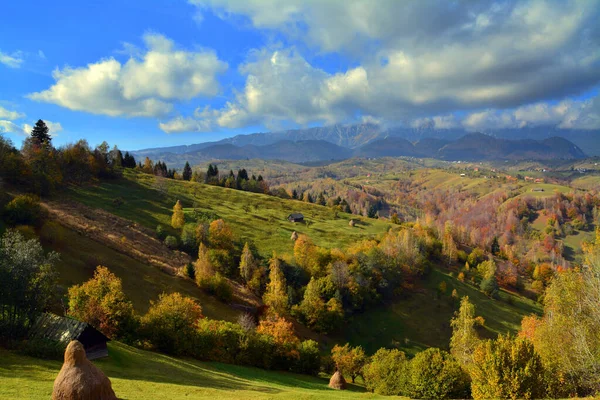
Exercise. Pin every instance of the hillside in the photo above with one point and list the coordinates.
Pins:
(138, 374)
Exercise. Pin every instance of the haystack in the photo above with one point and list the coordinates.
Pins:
(294, 236)
(79, 379)
(337, 381)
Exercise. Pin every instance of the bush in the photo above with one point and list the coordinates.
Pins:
(489, 286)
(24, 210)
(171, 242)
(189, 242)
(43, 348)
(160, 232)
(435, 374)
(507, 368)
(309, 359)
(170, 323)
(387, 373)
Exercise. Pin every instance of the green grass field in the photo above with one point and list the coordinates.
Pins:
(149, 202)
(423, 319)
(137, 374)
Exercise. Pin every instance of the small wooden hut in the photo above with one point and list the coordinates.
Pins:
(65, 329)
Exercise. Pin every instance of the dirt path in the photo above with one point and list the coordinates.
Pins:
(117, 233)
(131, 239)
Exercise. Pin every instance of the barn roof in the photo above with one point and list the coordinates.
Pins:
(62, 329)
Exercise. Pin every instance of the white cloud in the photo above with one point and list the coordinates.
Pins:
(415, 58)
(25, 129)
(181, 124)
(141, 87)
(13, 60)
(10, 115)
(567, 114)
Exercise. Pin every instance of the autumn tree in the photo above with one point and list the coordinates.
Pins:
(248, 264)
(349, 360)
(281, 330)
(276, 293)
(178, 217)
(220, 235)
(101, 303)
(566, 337)
(170, 323)
(464, 338)
(507, 368)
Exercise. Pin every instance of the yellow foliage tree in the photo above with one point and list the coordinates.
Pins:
(178, 218)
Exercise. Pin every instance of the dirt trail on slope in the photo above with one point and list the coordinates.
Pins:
(117, 233)
(133, 240)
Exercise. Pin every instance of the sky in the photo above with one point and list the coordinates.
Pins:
(142, 74)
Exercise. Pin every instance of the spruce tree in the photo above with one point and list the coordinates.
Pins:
(41, 132)
(187, 172)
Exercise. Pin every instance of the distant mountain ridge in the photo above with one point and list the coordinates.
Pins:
(356, 136)
(470, 147)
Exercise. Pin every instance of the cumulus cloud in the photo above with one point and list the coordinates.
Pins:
(144, 86)
(422, 58)
(13, 60)
(25, 129)
(10, 115)
(566, 114)
(180, 124)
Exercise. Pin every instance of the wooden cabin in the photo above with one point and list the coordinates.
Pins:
(64, 329)
(296, 217)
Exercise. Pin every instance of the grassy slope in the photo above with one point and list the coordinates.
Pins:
(423, 320)
(137, 374)
(150, 203)
(141, 283)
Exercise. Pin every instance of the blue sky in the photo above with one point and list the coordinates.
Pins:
(144, 74)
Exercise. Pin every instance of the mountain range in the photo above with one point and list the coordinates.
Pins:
(370, 140)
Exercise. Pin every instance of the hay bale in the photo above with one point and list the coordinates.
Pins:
(79, 379)
(352, 223)
(294, 236)
(337, 381)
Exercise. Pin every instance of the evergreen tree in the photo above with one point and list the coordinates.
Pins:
(294, 194)
(495, 247)
(321, 199)
(187, 172)
(41, 132)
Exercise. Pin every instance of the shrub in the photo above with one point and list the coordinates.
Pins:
(489, 286)
(387, 372)
(24, 210)
(170, 323)
(507, 368)
(309, 358)
(43, 348)
(189, 242)
(161, 232)
(171, 242)
(349, 360)
(435, 374)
